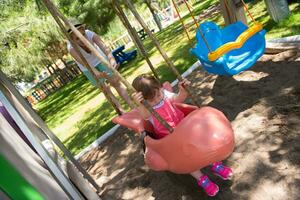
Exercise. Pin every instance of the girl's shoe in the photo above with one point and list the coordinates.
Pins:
(222, 171)
(209, 187)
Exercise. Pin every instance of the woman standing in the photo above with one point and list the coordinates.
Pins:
(102, 72)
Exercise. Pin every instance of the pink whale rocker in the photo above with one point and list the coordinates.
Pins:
(203, 137)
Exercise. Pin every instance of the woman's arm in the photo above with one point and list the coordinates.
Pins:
(75, 55)
(105, 49)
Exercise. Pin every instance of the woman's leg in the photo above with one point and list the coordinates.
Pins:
(106, 87)
(115, 82)
(113, 98)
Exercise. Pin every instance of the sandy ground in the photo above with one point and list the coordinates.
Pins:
(263, 105)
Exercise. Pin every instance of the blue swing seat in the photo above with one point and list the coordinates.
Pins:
(234, 61)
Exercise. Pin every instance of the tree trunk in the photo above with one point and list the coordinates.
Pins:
(155, 17)
(233, 11)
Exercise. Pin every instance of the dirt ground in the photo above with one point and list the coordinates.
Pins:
(263, 105)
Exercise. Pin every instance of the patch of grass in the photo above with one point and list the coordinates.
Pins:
(63, 104)
(92, 125)
(66, 101)
(289, 26)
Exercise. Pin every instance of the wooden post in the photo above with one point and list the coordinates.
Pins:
(132, 32)
(124, 23)
(55, 12)
(158, 46)
(233, 11)
(154, 15)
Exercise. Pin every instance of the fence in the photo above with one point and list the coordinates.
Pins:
(126, 40)
(52, 83)
(166, 19)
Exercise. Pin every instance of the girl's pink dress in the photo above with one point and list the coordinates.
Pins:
(168, 112)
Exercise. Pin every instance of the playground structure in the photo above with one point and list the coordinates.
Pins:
(65, 188)
(166, 16)
(34, 159)
(225, 145)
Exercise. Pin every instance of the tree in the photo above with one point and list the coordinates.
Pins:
(21, 49)
(15, 63)
(14, 43)
(153, 7)
(29, 36)
(96, 13)
(53, 45)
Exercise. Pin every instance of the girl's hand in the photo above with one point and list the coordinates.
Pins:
(138, 97)
(182, 94)
(101, 74)
(184, 83)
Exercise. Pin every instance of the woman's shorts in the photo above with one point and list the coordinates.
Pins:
(102, 68)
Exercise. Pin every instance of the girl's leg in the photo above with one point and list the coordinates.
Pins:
(115, 82)
(197, 174)
(113, 98)
(203, 181)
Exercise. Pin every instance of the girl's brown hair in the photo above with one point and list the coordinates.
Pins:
(146, 84)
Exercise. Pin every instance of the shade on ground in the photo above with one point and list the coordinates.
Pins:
(263, 105)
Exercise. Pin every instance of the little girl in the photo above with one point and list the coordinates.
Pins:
(149, 89)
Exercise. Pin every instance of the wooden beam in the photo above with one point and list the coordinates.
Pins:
(133, 34)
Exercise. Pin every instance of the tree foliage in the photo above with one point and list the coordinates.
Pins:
(97, 14)
(29, 38)
(24, 36)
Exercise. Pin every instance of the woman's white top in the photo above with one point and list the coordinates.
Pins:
(90, 57)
